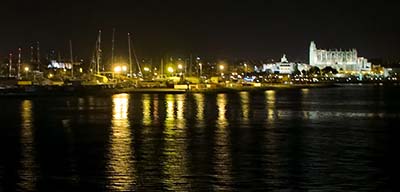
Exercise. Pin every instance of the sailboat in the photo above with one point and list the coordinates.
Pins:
(132, 49)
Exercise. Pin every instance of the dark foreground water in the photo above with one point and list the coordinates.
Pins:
(336, 139)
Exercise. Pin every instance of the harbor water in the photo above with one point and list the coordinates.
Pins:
(335, 139)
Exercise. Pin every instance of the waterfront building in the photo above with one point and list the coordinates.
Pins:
(54, 64)
(338, 59)
(282, 67)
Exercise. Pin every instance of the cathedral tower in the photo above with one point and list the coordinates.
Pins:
(313, 53)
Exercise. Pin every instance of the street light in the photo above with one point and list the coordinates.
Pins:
(118, 69)
(221, 68)
(180, 68)
(201, 69)
(124, 68)
(146, 73)
(26, 71)
(170, 69)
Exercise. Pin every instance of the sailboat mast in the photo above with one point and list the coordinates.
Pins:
(10, 64)
(112, 47)
(72, 58)
(93, 61)
(19, 63)
(130, 54)
(162, 67)
(98, 53)
(38, 55)
(32, 54)
(136, 60)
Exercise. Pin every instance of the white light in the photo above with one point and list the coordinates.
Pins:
(117, 69)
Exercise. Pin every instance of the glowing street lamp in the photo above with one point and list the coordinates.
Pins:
(146, 71)
(118, 69)
(180, 67)
(221, 68)
(124, 68)
(170, 69)
(26, 71)
(201, 69)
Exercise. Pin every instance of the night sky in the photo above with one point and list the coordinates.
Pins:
(242, 29)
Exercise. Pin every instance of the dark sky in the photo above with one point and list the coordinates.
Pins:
(220, 28)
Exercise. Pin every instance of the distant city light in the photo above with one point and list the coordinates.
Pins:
(124, 68)
(170, 69)
(117, 69)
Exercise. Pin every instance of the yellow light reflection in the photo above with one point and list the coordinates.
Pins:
(304, 95)
(272, 137)
(170, 102)
(120, 167)
(81, 104)
(222, 160)
(305, 91)
(200, 107)
(221, 103)
(270, 100)
(146, 109)
(27, 172)
(180, 101)
(155, 111)
(244, 100)
(175, 162)
(91, 103)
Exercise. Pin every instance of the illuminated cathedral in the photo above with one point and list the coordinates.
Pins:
(338, 59)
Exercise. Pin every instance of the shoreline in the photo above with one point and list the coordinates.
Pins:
(52, 91)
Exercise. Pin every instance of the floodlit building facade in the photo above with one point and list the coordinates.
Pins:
(338, 59)
(283, 67)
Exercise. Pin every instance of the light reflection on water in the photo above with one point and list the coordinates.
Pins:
(245, 105)
(156, 118)
(222, 156)
(199, 98)
(28, 171)
(175, 160)
(290, 140)
(270, 101)
(146, 109)
(120, 170)
(272, 156)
